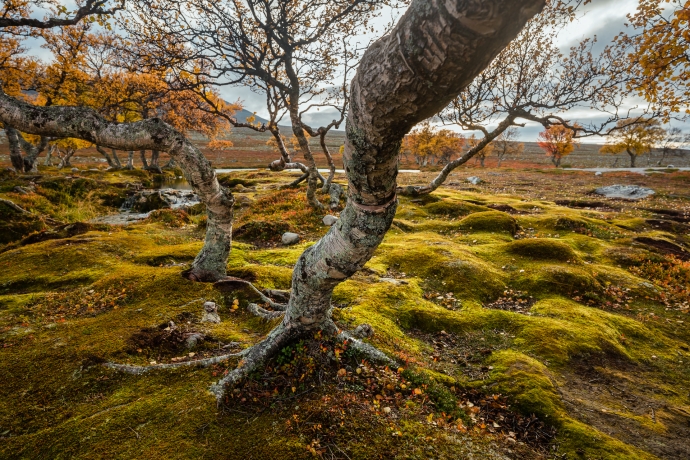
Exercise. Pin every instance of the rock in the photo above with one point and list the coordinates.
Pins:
(598, 173)
(474, 180)
(193, 339)
(210, 313)
(625, 192)
(670, 166)
(243, 200)
(329, 220)
(363, 331)
(289, 238)
(75, 169)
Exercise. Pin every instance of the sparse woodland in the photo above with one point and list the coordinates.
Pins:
(161, 306)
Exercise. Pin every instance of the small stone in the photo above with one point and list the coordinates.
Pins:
(474, 180)
(386, 410)
(210, 313)
(193, 340)
(598, 173)
(329, 220)
(363, 331)
(75, 169)
(289, 238)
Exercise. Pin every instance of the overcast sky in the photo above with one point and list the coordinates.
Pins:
(603, 18)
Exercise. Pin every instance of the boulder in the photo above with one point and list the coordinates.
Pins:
(329, 220)
(289, 238)
(474, 180)
(625, 192)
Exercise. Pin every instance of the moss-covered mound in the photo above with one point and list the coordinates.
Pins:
(490, 221)
(542, 249)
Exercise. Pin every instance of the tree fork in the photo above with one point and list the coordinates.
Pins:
(151, 134)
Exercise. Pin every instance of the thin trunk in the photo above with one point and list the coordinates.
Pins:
(65, 161)
(16, 157)
(170, 164)
(107, 157)
(481, 160)
(633, 157)
(118, 164)
(142, 153)
(79, 122)
(153, 165)
(49, 156)
(331, 163)
(130, 160)
(298, 131)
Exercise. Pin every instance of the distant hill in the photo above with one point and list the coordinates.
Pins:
(242, 115)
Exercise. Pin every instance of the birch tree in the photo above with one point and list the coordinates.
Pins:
(432, 54)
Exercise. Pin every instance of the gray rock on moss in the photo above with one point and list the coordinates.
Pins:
(329, 220)
(289, 238)
(625, 192)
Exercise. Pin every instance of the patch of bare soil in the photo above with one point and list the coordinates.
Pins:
(614, 397)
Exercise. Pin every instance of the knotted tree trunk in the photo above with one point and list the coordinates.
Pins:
(434, 51)
(152, 134)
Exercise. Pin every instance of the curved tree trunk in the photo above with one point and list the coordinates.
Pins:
(331, 164)
(434, 45)
(118, 164)
(152, 134)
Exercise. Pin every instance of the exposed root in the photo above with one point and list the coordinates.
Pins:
(14, 206)
(372, 353)
(230, 284)
(253, 358)
(263, 313)
(138, 370)
(278, 294)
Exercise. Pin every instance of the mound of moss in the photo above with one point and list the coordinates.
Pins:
(490, 221)
(542, 249)
(451, 208)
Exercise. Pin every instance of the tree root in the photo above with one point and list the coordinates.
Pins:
(230, 283)
(254, 358)
(14, 206)
(138, 370)
(263, 313)
(372, 353)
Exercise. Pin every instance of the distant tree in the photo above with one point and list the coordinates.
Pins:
(506, 145)
(483, 152)
(558, 142)
(659, 56)
(431, 145)
(674, 143)
(634, 138)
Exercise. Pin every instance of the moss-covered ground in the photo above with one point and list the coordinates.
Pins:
(530, 320)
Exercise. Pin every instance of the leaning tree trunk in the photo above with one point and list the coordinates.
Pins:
(116, 160)
(108, 158)
(152, 134)
(153, 165)
(435, 45)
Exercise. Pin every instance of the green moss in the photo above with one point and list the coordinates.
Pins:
(451, 208)
(542, 249)
(490, 221)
